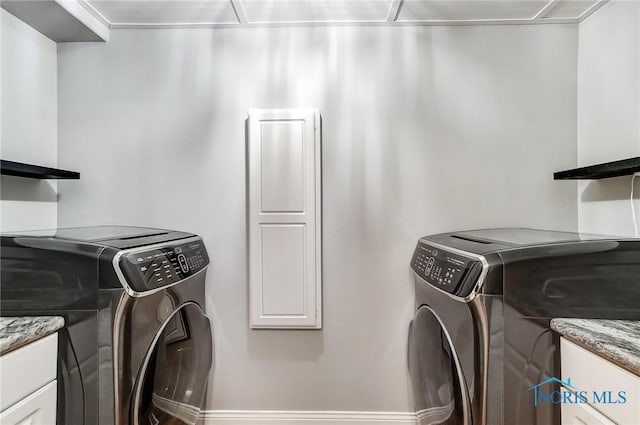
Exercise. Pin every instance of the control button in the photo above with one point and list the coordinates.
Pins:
(178, 250)
(143, 269)
(430, 265)
(140, 259)
(183, 263)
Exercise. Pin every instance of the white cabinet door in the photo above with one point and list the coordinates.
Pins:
(26, 369)
(284, 218)
(37, 409)
(583, 414)
(589, 372)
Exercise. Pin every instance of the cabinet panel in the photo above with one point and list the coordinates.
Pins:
(27, 369)
(582, 414)
(282, 166)
(283, 270)
(589, 372)
(37, 409)
(284, 172)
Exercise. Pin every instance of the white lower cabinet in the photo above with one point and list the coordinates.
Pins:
(612, 393)
(37, 408)
(28, 385)
(583, 414)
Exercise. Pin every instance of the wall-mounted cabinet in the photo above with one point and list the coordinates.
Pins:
(284, 218)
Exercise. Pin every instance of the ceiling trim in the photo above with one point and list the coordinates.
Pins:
(95, 12)
(239, 10)
(394, 10)
(592, 10)
(522, 21)
(546, 9)
(390, 20)
(470, 22)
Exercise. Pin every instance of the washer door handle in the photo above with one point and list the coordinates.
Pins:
(457, 376)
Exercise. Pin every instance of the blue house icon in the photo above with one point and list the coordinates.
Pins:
(566, 384)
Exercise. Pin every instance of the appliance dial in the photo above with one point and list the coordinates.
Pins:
(183, 263)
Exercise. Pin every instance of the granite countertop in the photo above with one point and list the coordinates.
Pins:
(18, 331)
(615, 340)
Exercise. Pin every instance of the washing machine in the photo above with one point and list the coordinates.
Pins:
(137, 347)
(481, 337)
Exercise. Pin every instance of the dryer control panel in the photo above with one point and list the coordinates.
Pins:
(145, 269)
(444, 269)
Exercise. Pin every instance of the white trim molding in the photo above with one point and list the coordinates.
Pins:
(81, 11)
(391, 18)
(288, 417)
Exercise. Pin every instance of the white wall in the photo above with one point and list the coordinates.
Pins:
(425, 129)
(28, 123)
(608, 112)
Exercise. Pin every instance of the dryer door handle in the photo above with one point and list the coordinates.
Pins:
(172, 381)
(439, 385)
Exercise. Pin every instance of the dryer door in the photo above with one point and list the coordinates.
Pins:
(172, 382)
(439, 387)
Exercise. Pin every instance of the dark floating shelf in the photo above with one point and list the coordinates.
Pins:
(624, 167)
(20, 169)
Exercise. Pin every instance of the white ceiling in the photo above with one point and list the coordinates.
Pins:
(315, 10)
(163, 13)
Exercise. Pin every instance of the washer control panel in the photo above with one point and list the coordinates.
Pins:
(443, 269)
(146, 269)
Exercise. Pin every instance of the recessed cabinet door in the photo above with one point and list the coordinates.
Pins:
(26, 369)
(580, 414)
(37, 409)
(590, 372)
(284, 218)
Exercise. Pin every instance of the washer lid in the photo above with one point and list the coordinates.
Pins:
(106, 233)
(484, 241)
(524, 237)
(115, 236)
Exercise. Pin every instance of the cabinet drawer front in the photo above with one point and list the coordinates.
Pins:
(589, 372)
(27, 369)
(582, 414)
(37, 409)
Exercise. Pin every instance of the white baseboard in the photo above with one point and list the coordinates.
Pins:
(287, 417)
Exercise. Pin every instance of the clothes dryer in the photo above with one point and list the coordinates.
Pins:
(137, 347)
(481, 337)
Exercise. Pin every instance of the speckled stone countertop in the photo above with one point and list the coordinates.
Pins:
(615, 340)
(18, 331)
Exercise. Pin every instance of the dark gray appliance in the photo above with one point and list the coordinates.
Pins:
(137, 347)
(481, 339)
